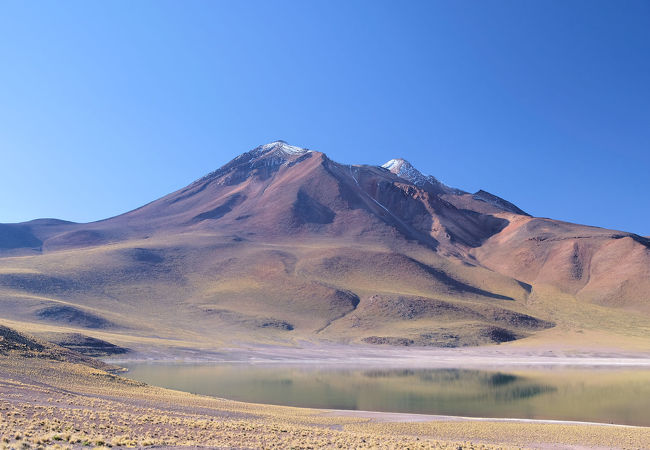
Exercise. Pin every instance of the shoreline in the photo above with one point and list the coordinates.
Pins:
(382, 416)
(362, 356)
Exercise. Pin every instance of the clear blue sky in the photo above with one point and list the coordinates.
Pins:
(105, 106)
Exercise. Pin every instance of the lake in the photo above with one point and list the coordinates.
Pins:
(619, 396)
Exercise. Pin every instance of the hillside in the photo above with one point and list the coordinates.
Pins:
(18, 346)
(283, 245)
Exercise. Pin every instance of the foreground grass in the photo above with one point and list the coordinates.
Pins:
(518, 434)
(46, 403)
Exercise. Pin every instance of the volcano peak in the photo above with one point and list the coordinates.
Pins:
(281, 147)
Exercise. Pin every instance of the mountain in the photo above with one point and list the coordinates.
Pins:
(282, 245)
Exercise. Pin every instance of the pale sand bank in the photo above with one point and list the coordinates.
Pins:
(348, 355)
(379, 416)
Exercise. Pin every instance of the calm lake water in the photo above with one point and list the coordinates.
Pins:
(593, 395)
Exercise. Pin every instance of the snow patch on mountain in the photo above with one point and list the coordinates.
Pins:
(281, 148)
(404, 169)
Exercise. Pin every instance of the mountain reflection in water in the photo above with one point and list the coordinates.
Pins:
(617, 396)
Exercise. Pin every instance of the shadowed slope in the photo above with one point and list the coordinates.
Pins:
(19, 345)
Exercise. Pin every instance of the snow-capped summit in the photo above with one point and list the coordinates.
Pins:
(281, 147)
(404, 169)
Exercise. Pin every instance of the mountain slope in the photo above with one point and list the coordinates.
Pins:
(283, 244)
(599, 266)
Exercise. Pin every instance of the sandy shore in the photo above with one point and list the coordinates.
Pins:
(378, 416)
(348, 355)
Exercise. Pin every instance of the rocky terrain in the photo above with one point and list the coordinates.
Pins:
(283, 245)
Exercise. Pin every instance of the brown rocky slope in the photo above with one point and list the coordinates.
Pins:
(283, 244)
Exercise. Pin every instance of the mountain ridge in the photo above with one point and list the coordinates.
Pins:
(283, 244)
